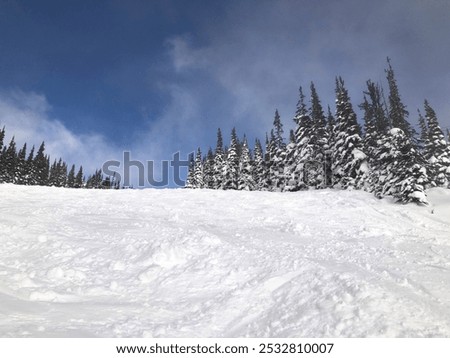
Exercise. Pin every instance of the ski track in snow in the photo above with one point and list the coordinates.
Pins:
(202, 263)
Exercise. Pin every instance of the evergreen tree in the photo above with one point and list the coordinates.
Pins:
(2, 138)
(349, 164)
(398, 114)
(2, 163)
(198, 170)
(331, 126)
(318, 119)
(219, 162)
(62, 173)
(3, 166)
(424, 137)
(231, 172)
(71, 177)
(269, 162)
(438, 155)
(40, 165)
(10, 163)
(376, 125)
(404, 170)
(22, 166)
(319, 141)
(190, 180)
(96, 181)
(31, 178)
(278, 130)
(301, 153)
(277, 154)
(53, 175)
(208, 170)
(106, 183)
(259, 170)
(79, 178)
(246, 179)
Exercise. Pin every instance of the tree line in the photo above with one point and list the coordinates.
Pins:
(385, 156)
(20, 167)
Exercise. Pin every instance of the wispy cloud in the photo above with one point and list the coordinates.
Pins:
(259, 55)
(27, 116)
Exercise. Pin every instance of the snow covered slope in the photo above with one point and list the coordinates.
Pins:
(201, 263)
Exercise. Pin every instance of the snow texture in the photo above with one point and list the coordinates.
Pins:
(204, 263)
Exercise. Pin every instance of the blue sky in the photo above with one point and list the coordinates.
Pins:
(94, 78)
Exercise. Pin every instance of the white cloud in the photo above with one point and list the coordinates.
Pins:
(260, 55)
(26, 116)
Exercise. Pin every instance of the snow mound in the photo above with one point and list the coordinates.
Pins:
(187, 263)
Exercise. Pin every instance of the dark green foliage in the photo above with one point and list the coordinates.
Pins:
(376, 127)
(277, 155)
(398, 115)
(21, 169)
(219, 162)
(326, 150)
(259, 167)
(71, 177)
(190, 181)
(40, 164)
(246, 180)
(198, 170)
(79, 178)
(436, 149)
(208, 170)
(17, 168)
(231, 172)
(10, 163)
(349, 164)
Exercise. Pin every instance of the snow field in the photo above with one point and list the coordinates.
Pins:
(202, 263)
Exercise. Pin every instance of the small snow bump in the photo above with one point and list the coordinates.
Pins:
(42, 238)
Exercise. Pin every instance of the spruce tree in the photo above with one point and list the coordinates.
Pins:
(231, 172)
(190, 180)
(62, 173)
(406, 175)
(269, 160)
(40, 164)
(219, 162)
(259, 170)
(437, 153)
(2, 138)
(319, 141)
(208, 170)
(246, 179)
(331, 126)
(10, 162)
(53, 175)
(3, 167)
(277, 155)
(71, 177)
(198, 170)
(30, 169)
(423, 142)
(79, 178)
(376, 127)
(298, 154)
(21, 169)
(398, 114)
(349, 164)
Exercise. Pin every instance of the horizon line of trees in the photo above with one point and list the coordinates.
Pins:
(386, 156)
(20, 167)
